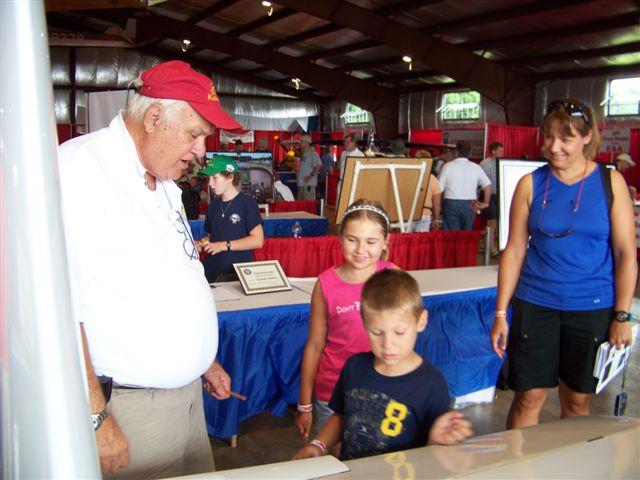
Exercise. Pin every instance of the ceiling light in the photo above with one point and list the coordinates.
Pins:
(186, 44)
(269, 6)
(296, 82)
(409, 60)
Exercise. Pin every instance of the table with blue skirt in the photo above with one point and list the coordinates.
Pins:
(280, 224)
(262, 338)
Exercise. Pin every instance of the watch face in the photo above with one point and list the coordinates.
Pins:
(95, 420)
(622, 317)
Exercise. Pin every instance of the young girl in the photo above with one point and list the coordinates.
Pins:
(335, 326)
(233, 222)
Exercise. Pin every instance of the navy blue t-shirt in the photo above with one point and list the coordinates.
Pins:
(241, 215)
(385, 414)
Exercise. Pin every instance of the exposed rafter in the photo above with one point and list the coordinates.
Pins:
(600, 25)
(399, 7)
(366, 94)
(262, 22)
(632, 47)
(209, 12)
(210, 68)
(508, 88)
(447, 27)
(633, 69)
(502, 15)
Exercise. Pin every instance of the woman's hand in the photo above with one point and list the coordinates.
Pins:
(620, 334)
(303, 424)
(498, 335)
(212, 248)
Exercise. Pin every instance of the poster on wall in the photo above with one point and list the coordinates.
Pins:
(475, 137)
(615, 140)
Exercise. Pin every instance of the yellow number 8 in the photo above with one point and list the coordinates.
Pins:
(391, 426)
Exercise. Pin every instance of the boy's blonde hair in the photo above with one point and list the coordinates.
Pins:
(391, 290)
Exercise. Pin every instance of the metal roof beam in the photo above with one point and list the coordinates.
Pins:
(632, 69)
(600, 25)
(209, 12)
(365, 94)
(262, 22)
(210, 68)
(509, 88)
(501, 15)
(632, 47)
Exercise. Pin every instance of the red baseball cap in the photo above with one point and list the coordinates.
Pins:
(176, 80)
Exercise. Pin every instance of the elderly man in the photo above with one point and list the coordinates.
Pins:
(310, 166)
(147, 317)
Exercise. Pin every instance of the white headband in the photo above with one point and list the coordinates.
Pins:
(370, 208)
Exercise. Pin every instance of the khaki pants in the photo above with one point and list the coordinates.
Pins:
(165, 429)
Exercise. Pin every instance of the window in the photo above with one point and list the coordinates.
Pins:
(460, 106)
(355, 115)
(624, 97)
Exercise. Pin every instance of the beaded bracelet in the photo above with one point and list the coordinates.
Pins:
(305, 408)
(320, 445)
(500, 314)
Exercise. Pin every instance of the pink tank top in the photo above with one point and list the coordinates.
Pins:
(345, 333)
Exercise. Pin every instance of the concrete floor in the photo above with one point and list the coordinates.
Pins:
(267, 439)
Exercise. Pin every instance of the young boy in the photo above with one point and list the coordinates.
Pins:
(390, 398)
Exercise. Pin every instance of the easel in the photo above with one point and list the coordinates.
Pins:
(357, 165)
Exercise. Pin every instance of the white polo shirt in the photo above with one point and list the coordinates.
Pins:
(460, 178)
(147, 310)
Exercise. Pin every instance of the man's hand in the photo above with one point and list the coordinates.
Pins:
(214, 247)
(217, 382)
(475, 205)
(113, 447)
(449, 429)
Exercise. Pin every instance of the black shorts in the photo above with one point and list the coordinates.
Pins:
(546, 345)
(491, 212)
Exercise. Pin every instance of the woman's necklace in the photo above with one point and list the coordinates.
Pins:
(223, 212)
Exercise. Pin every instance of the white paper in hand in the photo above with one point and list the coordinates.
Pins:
(609, 362)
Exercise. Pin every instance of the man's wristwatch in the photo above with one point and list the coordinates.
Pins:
(99, 418)
(228, 245)
(621, 316)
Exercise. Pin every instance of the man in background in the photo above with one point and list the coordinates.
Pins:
(147, 317)
(350, 150)
(310, 166)
(459, 181)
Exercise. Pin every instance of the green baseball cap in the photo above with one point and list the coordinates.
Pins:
(219, 164)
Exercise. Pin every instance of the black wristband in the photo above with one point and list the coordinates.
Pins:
(228, 245)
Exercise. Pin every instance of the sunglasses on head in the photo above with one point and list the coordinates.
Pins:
(572, 109)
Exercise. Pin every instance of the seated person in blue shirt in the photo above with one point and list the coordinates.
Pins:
(233, 222)
(391, 398)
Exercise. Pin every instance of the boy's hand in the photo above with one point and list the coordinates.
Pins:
(449, 429)
(309, 451)
(303, 423)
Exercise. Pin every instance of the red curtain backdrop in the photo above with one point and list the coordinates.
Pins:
(309, 256)
(517, 141)
(424, 136)
(308, 206)
(332, 187)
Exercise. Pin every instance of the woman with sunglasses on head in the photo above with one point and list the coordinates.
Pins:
(569, 270)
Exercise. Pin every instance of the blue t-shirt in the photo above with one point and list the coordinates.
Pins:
(229, 221)
(385, 414)
(573, 272)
